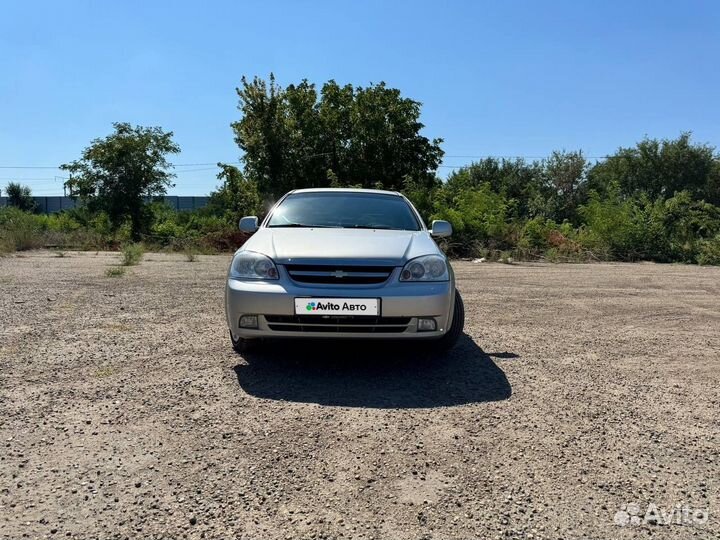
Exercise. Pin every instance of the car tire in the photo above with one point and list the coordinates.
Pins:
(242, 345)
(449, 340)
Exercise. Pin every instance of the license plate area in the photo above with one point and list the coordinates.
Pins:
(337, 307)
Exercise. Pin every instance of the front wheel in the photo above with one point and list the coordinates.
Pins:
(451, 337)
(242, 345)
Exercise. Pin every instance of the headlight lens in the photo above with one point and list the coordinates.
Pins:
(427, 268)
(251, 265)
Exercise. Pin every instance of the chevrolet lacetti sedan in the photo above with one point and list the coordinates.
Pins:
(342, 263)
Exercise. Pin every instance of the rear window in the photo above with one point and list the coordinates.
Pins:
(344, 210)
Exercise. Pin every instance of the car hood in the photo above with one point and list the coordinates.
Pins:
(286, 245)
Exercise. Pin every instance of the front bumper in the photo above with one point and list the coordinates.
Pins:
(401, 304)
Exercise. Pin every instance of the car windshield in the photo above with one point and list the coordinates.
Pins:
(350, 210)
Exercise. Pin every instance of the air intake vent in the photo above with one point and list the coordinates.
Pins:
(313, 323)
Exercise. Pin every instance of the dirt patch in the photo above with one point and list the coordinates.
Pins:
(579, 391)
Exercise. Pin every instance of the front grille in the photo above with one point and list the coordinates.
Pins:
(329, 323)
(338, 274)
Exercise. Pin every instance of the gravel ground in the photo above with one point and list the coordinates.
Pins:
(578, 390)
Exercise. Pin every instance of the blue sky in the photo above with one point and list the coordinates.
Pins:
(495, 78)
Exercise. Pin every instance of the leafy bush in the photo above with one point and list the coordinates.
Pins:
(478, 218)
(132, 254)
(62, 222)
(709, 251)
(535, 234)
(19, 230)
(686, 225)
(166, 232)
(613, 224)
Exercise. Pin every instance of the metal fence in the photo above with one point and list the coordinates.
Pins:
(48, 205)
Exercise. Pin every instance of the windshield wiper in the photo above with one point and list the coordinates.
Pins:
(309, 226)
(383, 227)
(302, 225)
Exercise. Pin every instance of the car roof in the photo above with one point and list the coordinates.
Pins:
(346, 190)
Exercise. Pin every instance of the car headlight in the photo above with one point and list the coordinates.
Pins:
(426, 268)
(251, 265)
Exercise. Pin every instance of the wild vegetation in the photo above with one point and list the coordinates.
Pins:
(115, 271)
(658, 200)
(114, 174)
(132, 254)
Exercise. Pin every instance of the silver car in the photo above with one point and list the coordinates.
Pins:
(342, 263)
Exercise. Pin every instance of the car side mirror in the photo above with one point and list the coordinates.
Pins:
(249, 224)
(440, 228)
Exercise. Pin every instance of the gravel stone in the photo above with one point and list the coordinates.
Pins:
(578, 392)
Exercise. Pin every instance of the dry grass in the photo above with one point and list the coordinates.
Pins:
(115, 271)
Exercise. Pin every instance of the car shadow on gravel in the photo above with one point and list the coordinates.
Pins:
(372, 374)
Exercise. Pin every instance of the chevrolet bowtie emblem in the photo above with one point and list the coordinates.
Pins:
(339, 274)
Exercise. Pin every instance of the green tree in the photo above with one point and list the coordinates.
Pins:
(423, 196)
(20, 197)
(565, 173)
(661, 168)
(236, 197)
(374, 135)
(262, 134)
(294, 138)
(118, 173)
(519, 182)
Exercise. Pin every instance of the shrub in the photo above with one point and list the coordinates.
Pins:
(101, 224)
(115, 271)
(539, 234)
(225, 240)
(62, 222)
(614, 225)
(5, 246)
(478, 217)
(505, 257)
(166, 232)
(19, 230)
(487, 217)
(132, 254)
(687, 225)
(709, 251)
(190, 254)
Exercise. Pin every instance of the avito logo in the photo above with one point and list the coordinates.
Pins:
(330, 306)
